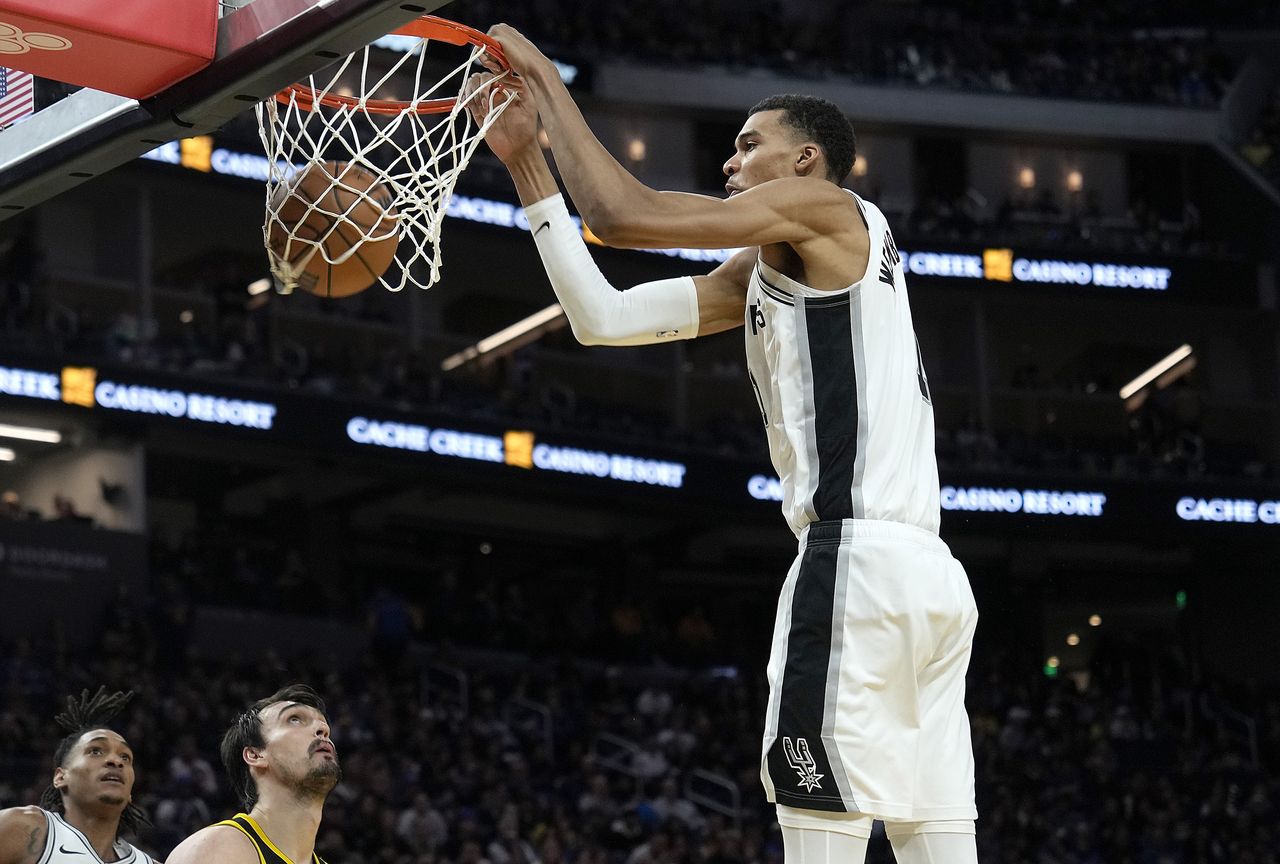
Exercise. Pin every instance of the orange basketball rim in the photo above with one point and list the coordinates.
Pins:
(429, 27)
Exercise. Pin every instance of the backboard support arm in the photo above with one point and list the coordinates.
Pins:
(262, 48)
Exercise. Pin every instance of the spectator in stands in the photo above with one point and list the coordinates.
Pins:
(188, 767)
(669, 805)
(64, 510)
(11, 506)
(421, 826)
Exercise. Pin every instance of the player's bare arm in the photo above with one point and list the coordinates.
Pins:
(22, 835)
(220, 843)
(623, 211)
(722, 293)
(598, 313)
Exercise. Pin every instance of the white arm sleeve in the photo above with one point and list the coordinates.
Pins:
(599, 313)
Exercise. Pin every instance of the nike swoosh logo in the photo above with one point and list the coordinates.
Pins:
(65, 851)
(540, 227)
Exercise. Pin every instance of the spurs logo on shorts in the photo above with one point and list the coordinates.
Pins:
(799, 758)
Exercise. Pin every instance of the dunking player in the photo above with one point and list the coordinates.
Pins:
(875, 621)
(282, 766)
(90, 801)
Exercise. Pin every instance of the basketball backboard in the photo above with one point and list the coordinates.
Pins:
(261, 48)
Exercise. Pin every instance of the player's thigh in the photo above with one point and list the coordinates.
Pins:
(815, 837)
(945, 772)
(945, 842)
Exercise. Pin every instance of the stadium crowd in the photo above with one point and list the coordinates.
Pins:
(1164, 439)
(1023, 50)
(1229, 14)
(1123, 760)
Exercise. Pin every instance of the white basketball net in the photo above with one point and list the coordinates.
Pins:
(416, 157)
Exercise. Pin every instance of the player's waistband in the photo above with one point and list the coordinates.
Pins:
(854, 529)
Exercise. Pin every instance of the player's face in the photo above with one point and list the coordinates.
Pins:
(298, 748)
(98, 772)
(764, 150)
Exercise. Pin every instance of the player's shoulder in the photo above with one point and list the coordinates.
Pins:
(223, 842)
(22, 831)
(12, 816)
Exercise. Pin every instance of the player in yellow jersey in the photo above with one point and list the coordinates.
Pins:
(282, 765)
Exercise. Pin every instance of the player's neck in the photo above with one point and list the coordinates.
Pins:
(100, 829)
(290, 822)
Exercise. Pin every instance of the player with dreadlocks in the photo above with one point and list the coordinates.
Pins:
(90, 801)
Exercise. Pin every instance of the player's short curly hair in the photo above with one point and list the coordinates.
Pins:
(821, 122)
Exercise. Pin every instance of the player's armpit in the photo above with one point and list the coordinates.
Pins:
(23, 831)
(789, 210)
(221, 843)
(722, 293)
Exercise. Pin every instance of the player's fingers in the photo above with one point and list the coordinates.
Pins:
(477, 106)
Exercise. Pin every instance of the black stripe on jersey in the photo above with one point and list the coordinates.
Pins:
(835, 403)
(797, 759)
(49, 835)
(862, 212)
(832, 298)
(773, 290)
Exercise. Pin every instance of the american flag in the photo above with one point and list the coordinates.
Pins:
(17, 96)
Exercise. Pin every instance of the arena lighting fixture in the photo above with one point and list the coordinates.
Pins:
(860, 166)
(510, 338)
(636, 150)
(1155, 371)
(30, 433)
(7, 455)
(259, 286)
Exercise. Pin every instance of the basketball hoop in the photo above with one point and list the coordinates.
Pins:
(415, 149)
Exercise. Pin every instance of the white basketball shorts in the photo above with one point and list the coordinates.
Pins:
(867, 676)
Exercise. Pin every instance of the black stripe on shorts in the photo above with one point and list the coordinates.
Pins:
(797, 759)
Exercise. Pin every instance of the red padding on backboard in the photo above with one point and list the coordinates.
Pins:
(133, 48)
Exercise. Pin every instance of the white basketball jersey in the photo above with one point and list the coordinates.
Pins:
(67, 845)
(843, 394)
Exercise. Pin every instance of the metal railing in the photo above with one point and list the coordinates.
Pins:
(442, 684)
(525, 714)
(716, 793)
(618, 755)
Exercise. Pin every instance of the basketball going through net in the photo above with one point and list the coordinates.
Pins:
(359, 184)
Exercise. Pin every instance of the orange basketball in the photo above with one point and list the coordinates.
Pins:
(336, 205)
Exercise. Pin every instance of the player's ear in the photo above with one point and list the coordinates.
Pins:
(254, 756)
(59, 778)
(807, 160)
